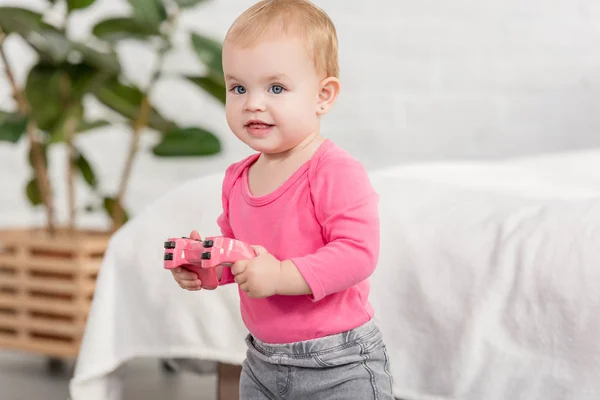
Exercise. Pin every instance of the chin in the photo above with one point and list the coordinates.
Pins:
(264, 145)
(270, 144)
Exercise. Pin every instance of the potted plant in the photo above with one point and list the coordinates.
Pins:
(47, 273)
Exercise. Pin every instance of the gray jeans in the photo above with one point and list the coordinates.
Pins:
(346, 366)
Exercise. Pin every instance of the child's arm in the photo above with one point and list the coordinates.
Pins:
(224, 274)
(291, 281)
(346, 206)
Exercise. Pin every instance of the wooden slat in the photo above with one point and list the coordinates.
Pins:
(81, 241)
(50, 326)
(91, 266)
(39, 325)
(9, 280)
(70, 308)
(7, 259)
(50, 286)
(9, 320)
(40, 346)
(60, 287)
(47, 264)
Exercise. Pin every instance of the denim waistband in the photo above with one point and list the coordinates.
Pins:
(324, 344)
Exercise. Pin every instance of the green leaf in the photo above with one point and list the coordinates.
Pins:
(33, 192)
(57, 134)
(150, 12)
(122, 98)
(85, 126)
(19, 20)
(78, 4)
(53, 91)
(116, 29)
(86, 170)
(127, 100)
(107, 62)
(212, 86)
(83, 79)
(187, 142)
(71, 115)
(109, 205)
(188, 3)
(12, 126)
(54, 48)
(51, 43)
(210, 52)
(43, 92)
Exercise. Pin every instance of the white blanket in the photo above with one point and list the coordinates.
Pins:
(487, 286)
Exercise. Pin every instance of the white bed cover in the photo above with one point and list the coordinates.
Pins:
(487, 286)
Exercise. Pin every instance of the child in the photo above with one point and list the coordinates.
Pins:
(309, 208)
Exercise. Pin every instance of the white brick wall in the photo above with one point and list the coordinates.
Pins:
(422, 80)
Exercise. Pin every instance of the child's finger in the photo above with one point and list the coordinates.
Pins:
(189, 285)
(182, 274)
(245, 287)
(239, 267)
(240, 279)
(259, 250)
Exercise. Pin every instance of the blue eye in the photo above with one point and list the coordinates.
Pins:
(238, 89)
(276, 89)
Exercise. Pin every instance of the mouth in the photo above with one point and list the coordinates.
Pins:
(258, 129)
(257, 124)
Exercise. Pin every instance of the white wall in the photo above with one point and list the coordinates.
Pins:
(422, 80)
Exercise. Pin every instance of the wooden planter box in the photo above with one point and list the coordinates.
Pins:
(46, 288)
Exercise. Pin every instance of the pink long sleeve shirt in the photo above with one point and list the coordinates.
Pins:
(325, 219)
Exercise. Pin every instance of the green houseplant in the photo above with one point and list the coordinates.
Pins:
(47, 274)
(49, 108)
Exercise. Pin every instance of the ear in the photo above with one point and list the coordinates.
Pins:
(328, 93)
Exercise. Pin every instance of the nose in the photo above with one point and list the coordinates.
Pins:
(254, 102)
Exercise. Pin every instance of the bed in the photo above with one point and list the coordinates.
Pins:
(487, 286)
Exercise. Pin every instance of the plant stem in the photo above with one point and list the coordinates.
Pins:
(70, 127)
(37, 153)
(138, 126)
(118, 211)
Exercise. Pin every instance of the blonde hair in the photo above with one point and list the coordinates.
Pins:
(283, 17)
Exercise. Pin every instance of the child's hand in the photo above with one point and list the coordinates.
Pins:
(258, 276)
(187, 279)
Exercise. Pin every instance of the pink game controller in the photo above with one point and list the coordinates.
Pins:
(203, 256)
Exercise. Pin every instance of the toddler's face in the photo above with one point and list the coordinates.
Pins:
(272, 93)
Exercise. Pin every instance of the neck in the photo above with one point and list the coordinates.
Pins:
(305, 148)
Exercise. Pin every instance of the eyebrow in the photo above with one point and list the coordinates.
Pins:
(268, 78)
(276, 77)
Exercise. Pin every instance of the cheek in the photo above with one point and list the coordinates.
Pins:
(233, 118)
(299, 112)
(232, 110)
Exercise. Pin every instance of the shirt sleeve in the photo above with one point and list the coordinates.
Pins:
(223, 222)
(346, 206)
